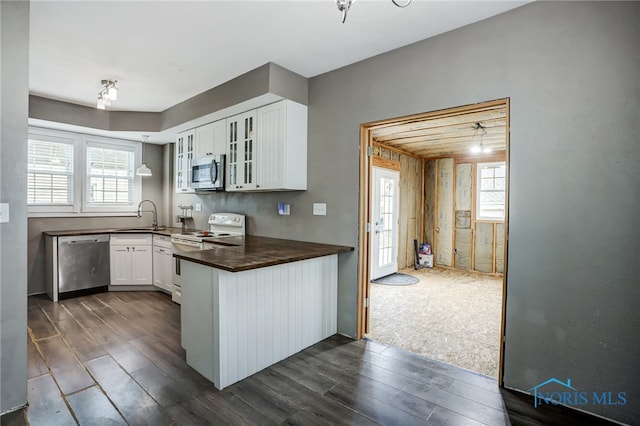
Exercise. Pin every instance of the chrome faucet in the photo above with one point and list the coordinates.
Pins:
(154, 211)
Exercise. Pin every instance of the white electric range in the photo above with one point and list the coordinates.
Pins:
(220, 225)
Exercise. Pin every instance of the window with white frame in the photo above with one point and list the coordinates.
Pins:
(109, 175)
(491, 196)
(74, 174)
(50, 172)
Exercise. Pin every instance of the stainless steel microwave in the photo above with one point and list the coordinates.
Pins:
(207, 173)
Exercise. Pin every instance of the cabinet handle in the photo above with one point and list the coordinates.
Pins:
(257, 186)
(133, 248)
(127, 248)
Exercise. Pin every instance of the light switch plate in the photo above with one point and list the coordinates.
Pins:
(198, 207)
(4, 212)
(319, 209)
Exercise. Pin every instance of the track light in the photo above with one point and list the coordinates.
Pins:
(108, 93)
(345, 5)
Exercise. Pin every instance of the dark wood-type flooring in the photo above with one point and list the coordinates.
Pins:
(115, 358)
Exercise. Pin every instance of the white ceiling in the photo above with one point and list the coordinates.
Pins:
(163, 52)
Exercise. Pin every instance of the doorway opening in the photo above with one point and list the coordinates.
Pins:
(453, 197)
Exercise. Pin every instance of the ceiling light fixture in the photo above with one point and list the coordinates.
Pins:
(143, 170)
(345, 5)
(108, 93)
(476, 149)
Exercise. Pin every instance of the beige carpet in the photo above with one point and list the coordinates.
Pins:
(452, 316)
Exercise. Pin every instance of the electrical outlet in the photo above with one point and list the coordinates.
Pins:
(319, 209)
(198, 207)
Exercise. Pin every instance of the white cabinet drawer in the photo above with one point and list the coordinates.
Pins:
(162, 241)
(131, 239)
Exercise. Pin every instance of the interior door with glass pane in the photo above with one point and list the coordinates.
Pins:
(384, 222)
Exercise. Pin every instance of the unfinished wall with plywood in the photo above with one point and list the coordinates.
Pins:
(450, 223)
(410, 211)
(463, 235)
(443, 249)
(429, 202)
(483, 247)
(499, 259)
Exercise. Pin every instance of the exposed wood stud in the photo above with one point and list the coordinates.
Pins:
(384, 163)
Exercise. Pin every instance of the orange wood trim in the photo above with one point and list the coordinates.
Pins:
(453, 213)
(362, 323)
(506, 246)
(436, 114)
(481, 158)
(394, 149)
(474, 183)
(423, 199)
(385, 163)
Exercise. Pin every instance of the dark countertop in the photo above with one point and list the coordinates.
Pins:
(141, 230)
(251, 252)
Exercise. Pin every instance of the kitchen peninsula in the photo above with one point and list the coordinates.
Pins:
(253, 301)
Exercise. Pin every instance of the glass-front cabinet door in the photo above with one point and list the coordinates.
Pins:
(241, 148)
(184, 150)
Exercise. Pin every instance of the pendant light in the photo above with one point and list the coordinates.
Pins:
(480, 148)
(143, 170)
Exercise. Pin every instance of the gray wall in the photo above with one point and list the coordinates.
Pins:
(152, 189)
(14, 89)
(572, 71)
(264, 80)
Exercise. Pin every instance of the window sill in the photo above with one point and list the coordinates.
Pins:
(92, 214)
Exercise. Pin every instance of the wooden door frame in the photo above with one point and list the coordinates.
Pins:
(365, 164)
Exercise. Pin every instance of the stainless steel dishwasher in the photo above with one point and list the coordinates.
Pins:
(83, 262)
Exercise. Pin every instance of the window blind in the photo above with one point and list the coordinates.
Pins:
(49, 173)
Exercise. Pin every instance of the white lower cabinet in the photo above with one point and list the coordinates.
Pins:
(162, 263)
(131, 259)
(234, 324)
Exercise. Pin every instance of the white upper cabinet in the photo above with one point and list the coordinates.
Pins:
(282, 147)
(241, 148)
(185, 154)
(267, 148)
(210, 139)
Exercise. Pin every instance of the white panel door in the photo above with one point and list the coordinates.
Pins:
(142, 265)
(271, 143)
(384, 222)
(120, 260)
(210, 139)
